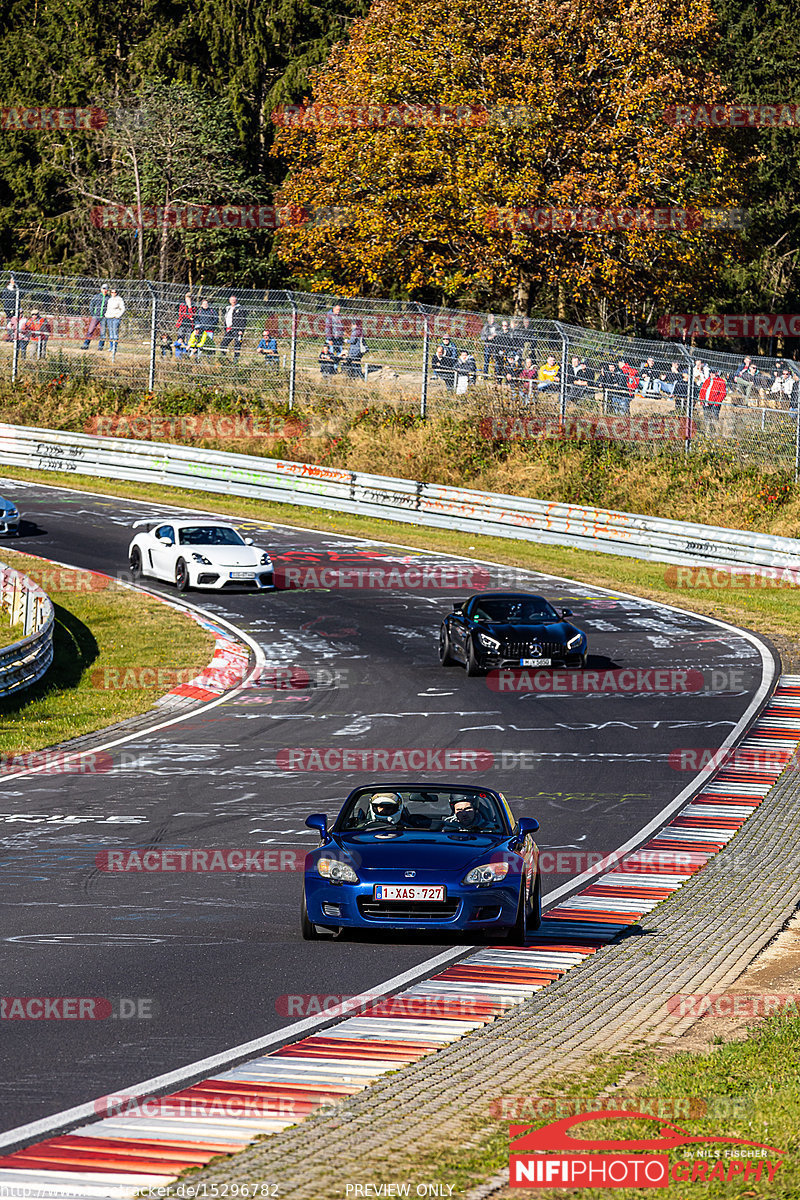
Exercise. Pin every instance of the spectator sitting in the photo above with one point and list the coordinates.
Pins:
(444, 361)
(328, 359)
(466, 372)
(577, 379)
(528, 376)
(667, 381)
(512, 374)
(206, 320)
(746, 377)
(648, 376)
(166, 345)
(268, 347)
(180, 346)
(186, 314)
(783, 384)
(334, 329)
(548, 376)
(356, 349)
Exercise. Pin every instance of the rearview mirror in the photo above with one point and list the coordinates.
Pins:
(319, 822)
(525, 825)
(458, 607)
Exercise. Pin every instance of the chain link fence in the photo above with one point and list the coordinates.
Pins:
(518, 378)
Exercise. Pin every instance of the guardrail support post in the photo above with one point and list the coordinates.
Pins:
(292, 352)
(423, 395)
(15, 347)
(151, 373)
(797, 443)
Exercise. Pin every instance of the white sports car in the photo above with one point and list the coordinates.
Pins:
(199, 554)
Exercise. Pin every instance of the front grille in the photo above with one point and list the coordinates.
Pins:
(407, 910)
(523, 649)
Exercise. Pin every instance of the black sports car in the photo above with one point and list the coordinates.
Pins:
(509, 629)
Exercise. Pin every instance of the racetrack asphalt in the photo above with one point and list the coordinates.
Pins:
(213, 957)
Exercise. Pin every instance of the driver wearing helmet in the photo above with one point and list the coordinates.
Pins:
(386, 807)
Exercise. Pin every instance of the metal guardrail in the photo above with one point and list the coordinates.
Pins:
(406, 500)
(24, 662)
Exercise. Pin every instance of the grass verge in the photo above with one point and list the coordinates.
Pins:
(103, 636)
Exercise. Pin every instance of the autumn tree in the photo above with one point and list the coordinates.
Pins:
(594, 78)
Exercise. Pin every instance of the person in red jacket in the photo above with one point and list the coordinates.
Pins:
(712, 392)
(185, 321)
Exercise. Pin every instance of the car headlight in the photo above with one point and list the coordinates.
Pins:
(336, 870)
(489, 642)
(487, 873)
(201, 558)
(574, 641)
(266, 561)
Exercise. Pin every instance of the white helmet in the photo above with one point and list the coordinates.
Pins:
(390, 806)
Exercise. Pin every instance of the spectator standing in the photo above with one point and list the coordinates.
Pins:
(502, 348)
(700, 373)
(526, 337)
(18, 332)
(186, 313)
(39, 331)
(115, 310)
(783, 385)
(356, 349)
(206, 320)
(97, 318)
(712, 392)
(487, 335)
(235, 323)
(681, 393)
(334, 329)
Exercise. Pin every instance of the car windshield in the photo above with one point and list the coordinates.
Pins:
(209, 535)
(431, 810)
(514, 610)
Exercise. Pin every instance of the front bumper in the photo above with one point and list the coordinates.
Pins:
(10, 524)
(465, 907)
(217, 579)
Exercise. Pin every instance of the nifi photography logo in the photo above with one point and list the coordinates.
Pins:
(549, 1157)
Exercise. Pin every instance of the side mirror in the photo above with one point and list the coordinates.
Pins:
(566, 612)
(458, 607)
(165, 541)
(248, 541)
(319, 822)
(525, 825)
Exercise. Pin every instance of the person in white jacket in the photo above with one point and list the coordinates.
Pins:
(114, 311)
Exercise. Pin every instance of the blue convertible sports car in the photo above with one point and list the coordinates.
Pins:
(423, 856)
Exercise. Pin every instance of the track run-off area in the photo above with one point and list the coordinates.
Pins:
(192, 964)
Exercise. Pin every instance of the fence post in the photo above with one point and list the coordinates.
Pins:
(563, 382)
(796, 442)
(423, 395)
(15, 347)
(687, 448)
(151, 373)
(292, 351)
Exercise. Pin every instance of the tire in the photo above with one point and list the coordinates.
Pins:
(181, 576)
(307, 929)
(579, 664)
(135, 560)
(445, 651)
(535, 917)
(473, 666)
(518, 933)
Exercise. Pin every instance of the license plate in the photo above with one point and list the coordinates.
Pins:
(536, 662)
(402, 891)
(241, 574)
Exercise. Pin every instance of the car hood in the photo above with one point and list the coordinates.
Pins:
(557, 631)
(450, 852)
(226, 556)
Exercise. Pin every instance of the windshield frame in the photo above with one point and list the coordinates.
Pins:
(485, 602)
(505, 822)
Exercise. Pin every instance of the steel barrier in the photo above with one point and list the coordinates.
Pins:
(25, 661)
(406, 500)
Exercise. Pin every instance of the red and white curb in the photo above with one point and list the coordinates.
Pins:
(116, 1156)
